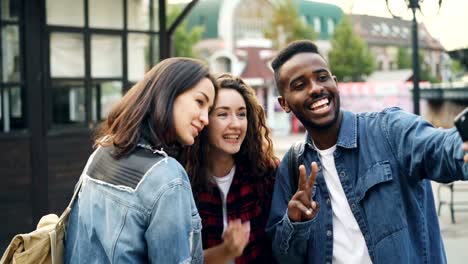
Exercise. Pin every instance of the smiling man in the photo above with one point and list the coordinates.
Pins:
(368, 197)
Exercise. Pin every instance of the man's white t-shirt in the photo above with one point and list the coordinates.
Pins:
(224, 183)
(349, 245)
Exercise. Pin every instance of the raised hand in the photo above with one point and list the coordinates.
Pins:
(301, 207)
(236, 237)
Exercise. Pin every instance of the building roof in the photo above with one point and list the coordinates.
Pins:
(310, 10)
(257, 62)
(389, 31)
(206, 13)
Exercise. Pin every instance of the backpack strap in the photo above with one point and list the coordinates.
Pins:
(293, 164)
(64, 216)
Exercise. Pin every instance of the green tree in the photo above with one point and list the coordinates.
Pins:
(425, 73)
(456, 66)
(404, 59)
(286, 24)
(184, 38)
(350, 58)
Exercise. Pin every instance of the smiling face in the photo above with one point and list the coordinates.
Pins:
(228, 122)
(190, 113)
(310, 91)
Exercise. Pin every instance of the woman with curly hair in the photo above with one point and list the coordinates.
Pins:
(231, 167)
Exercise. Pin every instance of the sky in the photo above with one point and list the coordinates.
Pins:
(449, 24)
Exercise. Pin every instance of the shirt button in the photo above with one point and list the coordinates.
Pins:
(329, 233)
(342, 174)
(353, 206)
(328, 200)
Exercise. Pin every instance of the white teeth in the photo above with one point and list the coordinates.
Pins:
(231, 137)
(320, 103)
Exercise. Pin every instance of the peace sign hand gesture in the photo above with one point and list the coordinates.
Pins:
(301, 207)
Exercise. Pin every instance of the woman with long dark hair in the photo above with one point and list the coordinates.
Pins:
(231, 167)
(135, 204)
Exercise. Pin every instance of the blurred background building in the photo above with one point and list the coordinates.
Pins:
(235, 39)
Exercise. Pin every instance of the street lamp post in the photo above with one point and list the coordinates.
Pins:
(414, 5)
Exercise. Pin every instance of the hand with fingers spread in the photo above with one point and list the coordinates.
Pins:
(301, 207)
(235, 238)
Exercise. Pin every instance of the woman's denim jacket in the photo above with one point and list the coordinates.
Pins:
(137, 209)
(384, 161)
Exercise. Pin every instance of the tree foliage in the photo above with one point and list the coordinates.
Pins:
(456, 67)
(404, 59)
(425, 72)
(350, 59)
(287, 25)
(184, 38)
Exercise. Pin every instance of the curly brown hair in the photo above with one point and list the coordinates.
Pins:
(256, 152)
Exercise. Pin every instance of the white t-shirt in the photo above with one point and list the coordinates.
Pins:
(224, 183)
(349, 245)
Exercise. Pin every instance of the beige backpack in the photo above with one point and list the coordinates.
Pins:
(43, 245)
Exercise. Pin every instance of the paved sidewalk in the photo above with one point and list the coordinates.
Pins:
(455, 236)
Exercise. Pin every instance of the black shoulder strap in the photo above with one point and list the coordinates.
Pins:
(293, 164)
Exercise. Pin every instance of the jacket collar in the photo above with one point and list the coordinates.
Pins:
(347, 136)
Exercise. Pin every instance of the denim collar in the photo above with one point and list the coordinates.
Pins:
(347, 137)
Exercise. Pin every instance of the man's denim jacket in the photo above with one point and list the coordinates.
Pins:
(384, 161)
(138, 209)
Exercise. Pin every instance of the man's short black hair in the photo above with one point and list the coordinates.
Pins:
(287, 53)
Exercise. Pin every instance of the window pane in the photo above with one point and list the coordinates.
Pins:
(68, 102)
(331, 26)
(10, 9)
(65, 12)
(155, 50)
(11, 114)
(138, 14)
(66, 55)
(106, 14)
(106, 56)
(1, 110)
(11, 54)
(317, 25)
(138, 56)
(156, 15)
(16, 111)
(105, 95)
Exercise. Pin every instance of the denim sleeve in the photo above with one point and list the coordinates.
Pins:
(422, 150)
(289, 240)
(171, 236)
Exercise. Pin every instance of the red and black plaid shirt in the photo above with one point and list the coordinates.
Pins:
(243, 202)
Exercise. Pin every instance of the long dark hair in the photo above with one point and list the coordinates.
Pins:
(146, 110)
(256, 152)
